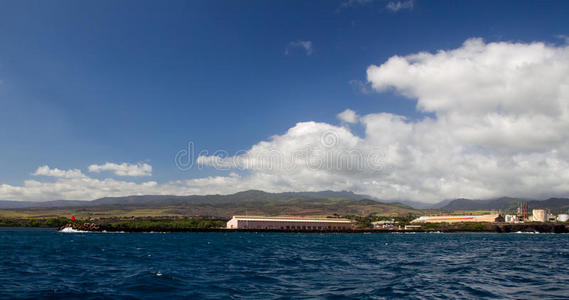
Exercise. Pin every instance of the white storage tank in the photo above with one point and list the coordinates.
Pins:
(563, 218)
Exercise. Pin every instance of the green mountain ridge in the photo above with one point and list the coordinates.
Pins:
(243, 203)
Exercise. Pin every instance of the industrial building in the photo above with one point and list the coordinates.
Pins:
(289, 223)
(511, 219)
(539, 215)
(412, 227)
(384, 224)
(459, 219)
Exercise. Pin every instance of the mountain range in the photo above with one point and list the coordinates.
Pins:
(250, 195)
(248, 202)
(279, 203)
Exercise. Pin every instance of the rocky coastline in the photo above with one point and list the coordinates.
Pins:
(489, 228)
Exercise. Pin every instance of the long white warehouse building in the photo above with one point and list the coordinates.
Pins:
(459, 219)
(288, 223)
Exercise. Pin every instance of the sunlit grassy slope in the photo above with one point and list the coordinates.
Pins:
(257, 205)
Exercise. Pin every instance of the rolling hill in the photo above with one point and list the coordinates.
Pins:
(507, 204)
(248, 202)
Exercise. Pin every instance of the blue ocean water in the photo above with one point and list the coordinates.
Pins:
(43, 263)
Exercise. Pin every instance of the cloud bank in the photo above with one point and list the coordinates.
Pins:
(496, 123)
(500, 127)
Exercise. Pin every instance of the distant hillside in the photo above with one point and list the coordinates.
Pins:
(6, 204)
(13, 204)
(259, 202)
(422, 205)
(507, 204)
(172, 200)
(331, 194)
(247, 202)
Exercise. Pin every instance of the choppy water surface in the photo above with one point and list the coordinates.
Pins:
(36, 263)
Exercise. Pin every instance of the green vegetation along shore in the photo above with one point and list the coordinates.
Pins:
(176, 224)
(35, 222)
(215, 226)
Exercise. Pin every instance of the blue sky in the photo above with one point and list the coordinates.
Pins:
(133, 81)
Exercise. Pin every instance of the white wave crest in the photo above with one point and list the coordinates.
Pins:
(71, 230)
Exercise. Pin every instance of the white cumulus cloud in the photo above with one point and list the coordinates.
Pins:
(348, 116)
(55, 172)
(505, 96)
(123, 169)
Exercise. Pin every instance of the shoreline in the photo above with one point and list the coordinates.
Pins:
(491, 228)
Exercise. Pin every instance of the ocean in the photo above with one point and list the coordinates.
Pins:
(43, 263)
